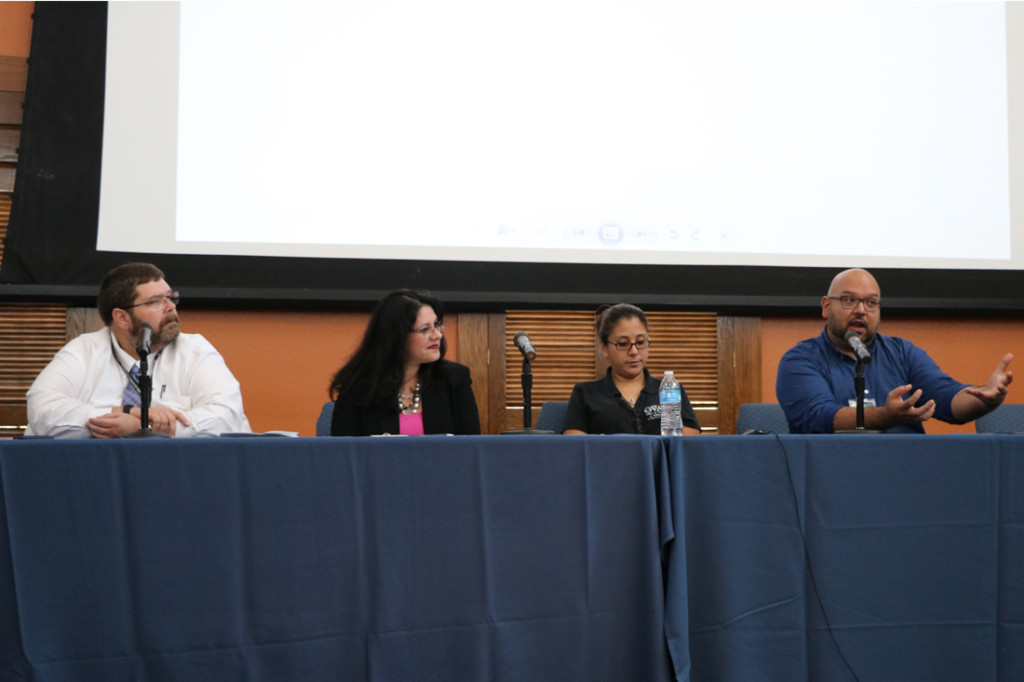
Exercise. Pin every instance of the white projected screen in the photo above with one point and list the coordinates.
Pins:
(632, 131)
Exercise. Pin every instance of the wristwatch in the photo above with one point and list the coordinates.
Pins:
(127, 409)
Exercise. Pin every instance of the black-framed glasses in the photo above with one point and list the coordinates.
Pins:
(173, 297)
(640, 344)
(427, 328)
(851, 302)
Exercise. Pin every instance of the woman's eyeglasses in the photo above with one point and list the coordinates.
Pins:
(640, 344)
(427, 328)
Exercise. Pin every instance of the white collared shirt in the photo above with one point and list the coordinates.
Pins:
(87, 378)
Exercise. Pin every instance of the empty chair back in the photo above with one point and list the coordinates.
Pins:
(1003, 419)
(323, 422)
(552, 416)
(766, 417)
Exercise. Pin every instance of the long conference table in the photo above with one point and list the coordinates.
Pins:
(620, 558)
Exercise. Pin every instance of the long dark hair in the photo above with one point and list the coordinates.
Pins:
(376, 371)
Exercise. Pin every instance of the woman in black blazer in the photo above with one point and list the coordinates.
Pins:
(398, 381)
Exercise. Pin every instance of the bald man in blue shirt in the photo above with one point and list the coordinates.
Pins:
(903, 386)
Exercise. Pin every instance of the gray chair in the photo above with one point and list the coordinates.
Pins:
(1003, 419)
(323, 422)
(552, 415)
(761, 417)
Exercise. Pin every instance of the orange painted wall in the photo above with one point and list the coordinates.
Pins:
(966, 349)
(285, 360)
(15, 28)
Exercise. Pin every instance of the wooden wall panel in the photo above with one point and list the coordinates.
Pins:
(739, 367)
(496, 418)
(473, 354)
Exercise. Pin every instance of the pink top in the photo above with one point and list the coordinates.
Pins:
(410, 424)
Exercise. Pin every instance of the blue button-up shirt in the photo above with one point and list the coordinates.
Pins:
(815, 381)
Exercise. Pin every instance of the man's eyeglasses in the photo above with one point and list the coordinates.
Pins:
(851, 302)
(155, 301)
(640, 344)
(427, 328)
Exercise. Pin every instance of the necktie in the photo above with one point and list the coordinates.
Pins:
(131, 394)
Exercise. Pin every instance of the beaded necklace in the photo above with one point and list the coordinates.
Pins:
(414, 405)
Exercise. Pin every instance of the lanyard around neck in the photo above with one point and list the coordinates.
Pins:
(127, 373)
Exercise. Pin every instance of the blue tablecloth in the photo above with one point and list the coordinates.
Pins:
(333, 559)
(826, 558)
(731, 559)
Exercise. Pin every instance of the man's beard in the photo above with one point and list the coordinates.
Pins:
(168, 331)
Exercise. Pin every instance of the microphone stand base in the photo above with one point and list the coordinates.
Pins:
(527, 432)
(146, 433)
(860, 430)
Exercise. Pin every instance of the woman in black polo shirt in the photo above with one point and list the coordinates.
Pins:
(626, 399)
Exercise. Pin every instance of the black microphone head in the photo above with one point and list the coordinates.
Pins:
(859, 349)
(522, 342)
(145, 338)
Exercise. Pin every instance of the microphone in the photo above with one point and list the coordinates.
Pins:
(145, 340)
(858, 347)
(522, 342)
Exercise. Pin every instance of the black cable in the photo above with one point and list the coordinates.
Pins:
(807, 561)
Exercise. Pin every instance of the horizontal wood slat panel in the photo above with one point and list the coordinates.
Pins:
(30, 335)
(564, 341)
(567, 353)
(687, 344)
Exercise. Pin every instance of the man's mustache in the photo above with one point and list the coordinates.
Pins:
(173, 317)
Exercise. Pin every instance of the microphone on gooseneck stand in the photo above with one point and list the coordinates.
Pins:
(522, 342)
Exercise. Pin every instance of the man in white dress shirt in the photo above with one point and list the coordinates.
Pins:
(82, 392)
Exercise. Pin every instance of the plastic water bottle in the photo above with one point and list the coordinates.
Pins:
(671, 398)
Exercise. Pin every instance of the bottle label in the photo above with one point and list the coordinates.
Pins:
(671, 396)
